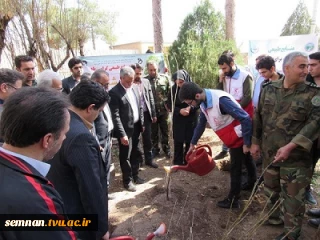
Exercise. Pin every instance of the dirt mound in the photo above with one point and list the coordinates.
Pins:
(191, 212)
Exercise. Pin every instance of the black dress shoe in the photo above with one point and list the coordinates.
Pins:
(228, 203)
(138, 180)
(152, 164)
(314, 222)
(130, 187)
(221, 155)
(314, 212)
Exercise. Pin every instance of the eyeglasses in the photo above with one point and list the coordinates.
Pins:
(59, 89)
(105, 86)
(15, 88)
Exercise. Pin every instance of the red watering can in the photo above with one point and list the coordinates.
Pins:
(159, 232)
(199, 161)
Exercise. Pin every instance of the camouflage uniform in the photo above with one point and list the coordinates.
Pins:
(284, 116)
(160, 88)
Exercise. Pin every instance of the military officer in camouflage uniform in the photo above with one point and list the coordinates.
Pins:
(160, 87)
(284, 127)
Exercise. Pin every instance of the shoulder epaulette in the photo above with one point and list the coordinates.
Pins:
(313, 85)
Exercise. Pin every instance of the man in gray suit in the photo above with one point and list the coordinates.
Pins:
(149, 113)
(78, 171)
(127, 116)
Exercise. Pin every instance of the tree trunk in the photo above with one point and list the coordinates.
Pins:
(81, 47)
(230, 16)
(314, 17)
(157, 25)
(32, 51)
(4, 21)
(53, 66)
(93, 39)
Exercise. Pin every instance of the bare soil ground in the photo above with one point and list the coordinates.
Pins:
(191, 212)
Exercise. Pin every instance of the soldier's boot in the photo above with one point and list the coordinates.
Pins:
(314, 222)
(310, 199)
(149, 160)
(314, 212)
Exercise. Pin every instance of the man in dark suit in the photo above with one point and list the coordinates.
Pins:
(103, 123)
(127, 116)
(75, 65)
(149, 113)
(78, 171)
(31, 138)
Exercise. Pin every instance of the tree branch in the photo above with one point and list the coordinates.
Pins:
(67, 42)
(53, 66)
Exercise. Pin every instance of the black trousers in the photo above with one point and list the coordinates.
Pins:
(129, 162)
(146, 138)
(180, 151)
(237, 157)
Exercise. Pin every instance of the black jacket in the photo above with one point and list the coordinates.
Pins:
(68, 84)
(23, 190)
(121, 111)
(78, 173)
(182, 126)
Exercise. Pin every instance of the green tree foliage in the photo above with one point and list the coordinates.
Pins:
(299, 22)
(200, 42)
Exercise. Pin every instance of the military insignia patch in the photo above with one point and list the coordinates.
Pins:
(316, 101)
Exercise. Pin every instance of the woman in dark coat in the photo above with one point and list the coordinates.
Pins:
(184, 118)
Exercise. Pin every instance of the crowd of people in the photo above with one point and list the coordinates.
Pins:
(57, 135)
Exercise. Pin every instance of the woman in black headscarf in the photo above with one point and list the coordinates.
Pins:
(184, 118)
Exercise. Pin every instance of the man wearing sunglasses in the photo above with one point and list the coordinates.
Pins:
(10, 81)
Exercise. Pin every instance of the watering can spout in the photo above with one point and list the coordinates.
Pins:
(176, 168)
(182, 167)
